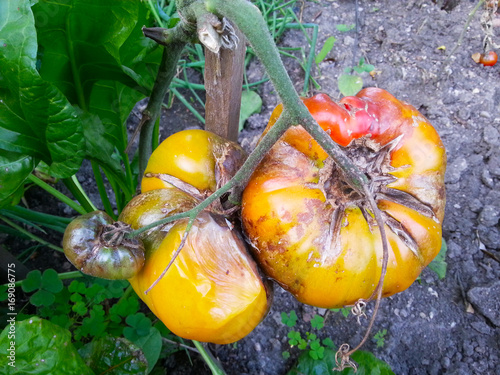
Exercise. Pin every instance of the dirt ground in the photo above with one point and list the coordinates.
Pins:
(449, 326)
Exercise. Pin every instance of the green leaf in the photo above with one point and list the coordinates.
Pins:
(80, 308)
(140, 326)
(302, 344)
(285, 354)
(368, 68)
(151, 345)
(42, 298)
(251, 103)
(112, 101)
(439, 265)
(294, 337)
(289, 320)
(318, 322)
(3, 292)
(14, 169)
(35, 118)
(349, 84)
(41, 348)
(95, 324)
(32, 282)
(51, 281)
(76, 53)
(328, 343)
(77, 287)
(327, 47)
(368, 364)
(102, 149)
(345, 28)
(114, 354)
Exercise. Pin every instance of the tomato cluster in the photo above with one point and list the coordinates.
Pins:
(308, 229)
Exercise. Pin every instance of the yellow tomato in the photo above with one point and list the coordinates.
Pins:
(196, 157)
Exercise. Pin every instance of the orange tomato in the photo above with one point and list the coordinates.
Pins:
(315, 235)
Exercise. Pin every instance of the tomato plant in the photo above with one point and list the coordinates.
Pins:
(314, 234)
(213, 291)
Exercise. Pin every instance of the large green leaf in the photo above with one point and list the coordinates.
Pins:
(114, 354)
(102, 149)
(14, 168)
(113, 102)
(81, 42)
(35, 117)
(37, 346)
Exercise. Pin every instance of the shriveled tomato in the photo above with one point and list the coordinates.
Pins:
(315, 235)
(95, 244)
(213, 291)
(195, 157)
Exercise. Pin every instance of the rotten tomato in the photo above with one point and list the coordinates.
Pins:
(314, 234)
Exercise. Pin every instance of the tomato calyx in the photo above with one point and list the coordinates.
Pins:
(114, 235)
(374, 160)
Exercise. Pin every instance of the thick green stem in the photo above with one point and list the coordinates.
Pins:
(57, 194)
(166, 72)
(76, 189)
(209, 359)
(249, 20)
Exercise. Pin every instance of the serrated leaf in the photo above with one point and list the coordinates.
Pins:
(325, 50)
(51, 281)
(80, 308)
(45, 349)
(251, 103)
(32, 282)
(349, 84)
(42, 298)
(118, 354)
(439, 265)
(93, 325)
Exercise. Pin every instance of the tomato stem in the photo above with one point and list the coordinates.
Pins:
(209, 359)
(56, 193)
(166, 72)
(249, 20)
